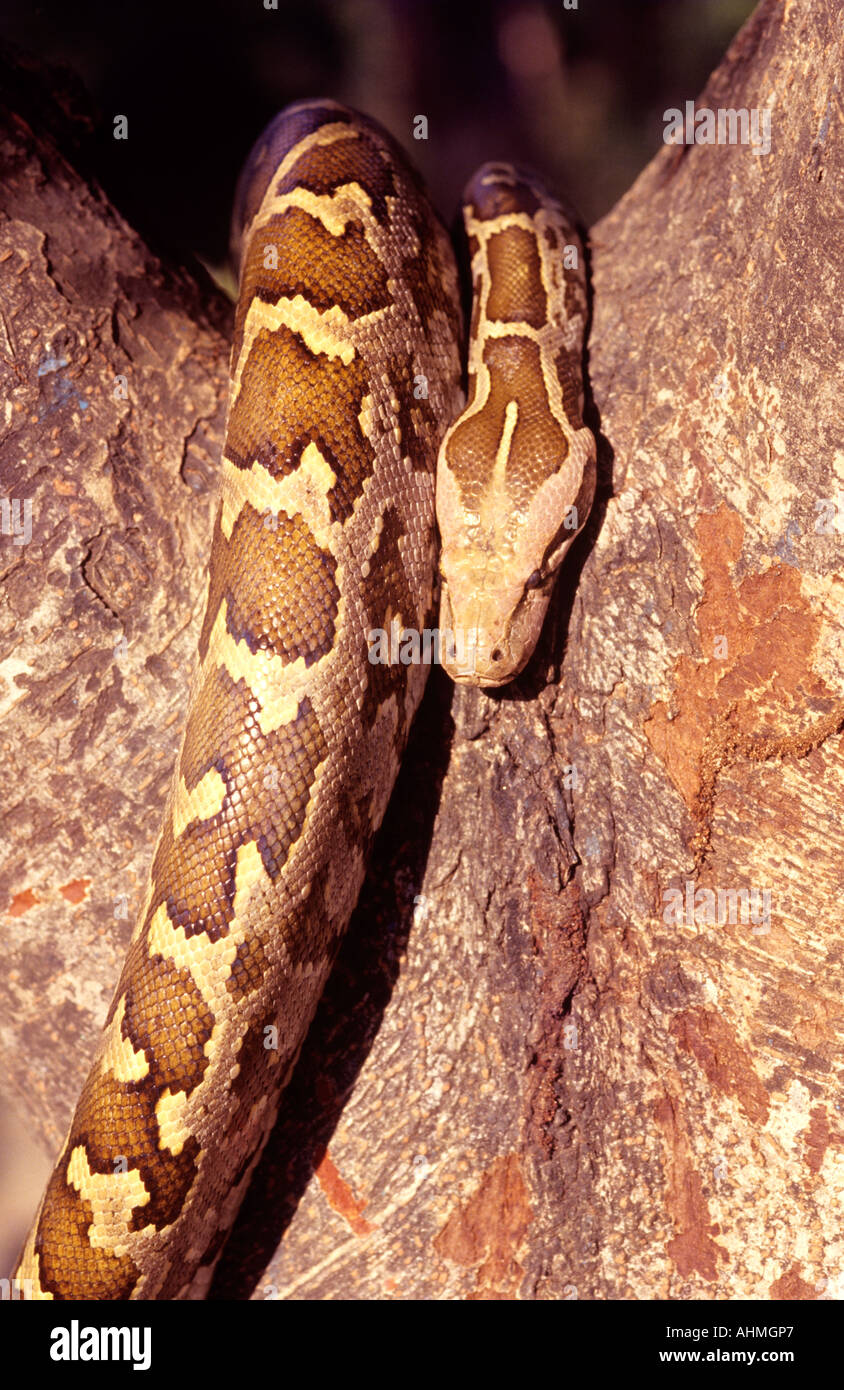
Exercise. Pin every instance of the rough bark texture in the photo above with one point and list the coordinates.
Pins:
(527, 1079)
(112, 373)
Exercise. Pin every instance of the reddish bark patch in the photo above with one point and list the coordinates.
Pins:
(790, 1286)
(816, 1138)
(21, 903)
(727, 1066)
(339, 1195)
(488, 1230)
(692, 1248)
(556, 923)
(757, 641)
(77, 890)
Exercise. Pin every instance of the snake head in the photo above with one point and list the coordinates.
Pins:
(488, 630)
(516, 470)
(498, 567)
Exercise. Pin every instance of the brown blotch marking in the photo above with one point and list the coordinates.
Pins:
(124, 1114)
(488, 1230)
(425, 278)
(709, 1039)
(326, 270)
(568, 373)
(312, 934)
(387, 577)
(167, 1019)
(325, 168)
(573, 280)
(516, 293)
(354, 807)
(574, 291)
(68, 1263)
(474, 327)
(692, 1247)
(415, 419)
(268, 779)
(116, 1119)
(249, 970)
(538, 446)
(259, 1074)
(289, 398)
(260, 1069)
(199, 895)
(278, 585)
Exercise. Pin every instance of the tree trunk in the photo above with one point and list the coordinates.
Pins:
(582, 1039)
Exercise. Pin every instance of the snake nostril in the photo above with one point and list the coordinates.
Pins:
(496, 655)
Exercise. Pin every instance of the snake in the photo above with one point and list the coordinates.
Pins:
(354, 435)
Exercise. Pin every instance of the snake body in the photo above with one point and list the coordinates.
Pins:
(345, 373)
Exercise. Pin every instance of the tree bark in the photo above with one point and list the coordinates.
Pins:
(112, 371)
(583, 1040)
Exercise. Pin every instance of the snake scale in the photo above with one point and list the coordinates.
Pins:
(345, 376)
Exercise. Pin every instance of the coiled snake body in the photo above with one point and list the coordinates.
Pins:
(346, 372)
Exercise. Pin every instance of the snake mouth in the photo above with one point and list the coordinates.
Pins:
(481, 662)
(478, 678)
(475, 660)
(471, 654)
(482, 643)
(493, 669)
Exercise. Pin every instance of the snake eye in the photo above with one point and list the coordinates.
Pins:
(535, 580)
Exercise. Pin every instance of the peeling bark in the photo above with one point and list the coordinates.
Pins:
(528, 1078)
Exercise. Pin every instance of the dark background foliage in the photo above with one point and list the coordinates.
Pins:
(578, 94)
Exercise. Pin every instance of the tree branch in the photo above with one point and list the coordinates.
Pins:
(543, 1067)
